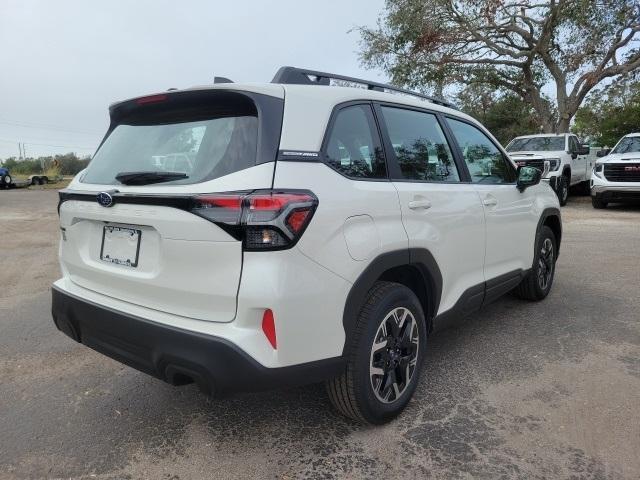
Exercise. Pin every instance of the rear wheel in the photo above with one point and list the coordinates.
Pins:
(5, 181)
(597, 202)
(537, 284)
(386, 355)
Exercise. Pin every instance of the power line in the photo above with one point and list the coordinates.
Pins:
(49, 145)
(43, 126)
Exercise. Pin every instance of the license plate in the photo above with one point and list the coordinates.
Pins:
(120, 245)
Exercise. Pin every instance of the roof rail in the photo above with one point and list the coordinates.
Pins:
(302, 76)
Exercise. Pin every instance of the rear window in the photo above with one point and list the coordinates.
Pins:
(203, 143)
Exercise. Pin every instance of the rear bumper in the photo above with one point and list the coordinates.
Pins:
(174, 355)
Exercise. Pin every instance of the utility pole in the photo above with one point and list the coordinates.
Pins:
(19, 150)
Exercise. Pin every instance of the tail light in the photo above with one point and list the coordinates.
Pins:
(263, 219)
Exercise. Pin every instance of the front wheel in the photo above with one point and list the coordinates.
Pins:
(597, 202)
(537, 284)
(563, 190)
(385, 356)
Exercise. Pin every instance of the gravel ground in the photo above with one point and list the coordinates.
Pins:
(522, 390)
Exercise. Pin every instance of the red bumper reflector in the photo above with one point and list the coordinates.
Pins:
(269, 328)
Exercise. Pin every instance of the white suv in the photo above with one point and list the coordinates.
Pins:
(616, 176)
(569, 161)
(310, 232)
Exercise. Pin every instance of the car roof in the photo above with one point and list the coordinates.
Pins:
(309, 107)
(329, 94)
(634, 134)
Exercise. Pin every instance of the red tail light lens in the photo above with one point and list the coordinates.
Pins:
(263, 219)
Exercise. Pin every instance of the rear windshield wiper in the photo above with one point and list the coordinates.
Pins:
(146, 178)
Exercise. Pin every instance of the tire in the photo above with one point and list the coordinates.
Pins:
(544, 268)
(585, 188)
(5, 181)
(563, 190)
(597, 202)
(391, 313)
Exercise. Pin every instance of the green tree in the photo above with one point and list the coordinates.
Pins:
(505, 115)
(67, 164)
(518, 47)
(612, 113)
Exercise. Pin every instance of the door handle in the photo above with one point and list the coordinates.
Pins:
(418, 204)
(490, 201)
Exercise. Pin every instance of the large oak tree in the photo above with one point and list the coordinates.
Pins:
(563, 47)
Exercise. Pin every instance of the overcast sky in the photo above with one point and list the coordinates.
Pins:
(63, 61)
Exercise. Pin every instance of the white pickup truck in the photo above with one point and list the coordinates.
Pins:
(569, 161)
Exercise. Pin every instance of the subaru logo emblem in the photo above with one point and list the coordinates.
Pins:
(105, 199)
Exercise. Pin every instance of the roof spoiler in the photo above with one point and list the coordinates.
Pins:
(301, 76)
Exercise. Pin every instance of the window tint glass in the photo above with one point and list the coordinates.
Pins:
(536, 144)
(573, 145)
(420, 146)
(354, 147)
(485, 162)
(628, 145)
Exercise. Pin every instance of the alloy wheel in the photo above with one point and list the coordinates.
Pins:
(394, 355)
(545, 264)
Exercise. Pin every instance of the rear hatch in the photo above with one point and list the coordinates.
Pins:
(129, 230)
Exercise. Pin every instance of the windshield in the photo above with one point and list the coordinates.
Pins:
(201, 150)
(628, 145)
(536, 144)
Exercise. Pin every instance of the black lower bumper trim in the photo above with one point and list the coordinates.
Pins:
(174, 355)
(619, 196)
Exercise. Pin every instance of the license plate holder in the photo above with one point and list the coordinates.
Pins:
(120, 245)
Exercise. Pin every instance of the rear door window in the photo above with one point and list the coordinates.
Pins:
(353, 146)
(421, 149)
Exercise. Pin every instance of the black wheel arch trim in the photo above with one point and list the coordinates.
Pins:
(419, 258)
(546, 214)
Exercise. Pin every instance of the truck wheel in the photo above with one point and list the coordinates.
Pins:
(537, 284)
(563, 190)
(597, 202)
(385, 356)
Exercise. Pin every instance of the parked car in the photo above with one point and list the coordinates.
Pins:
(5, 178)
(569, 160)
(318, 233)
(616, 175)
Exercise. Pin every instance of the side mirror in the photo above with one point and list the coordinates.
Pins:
(574, 155)
(528, 177)
(584, 149)
(603, 153)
